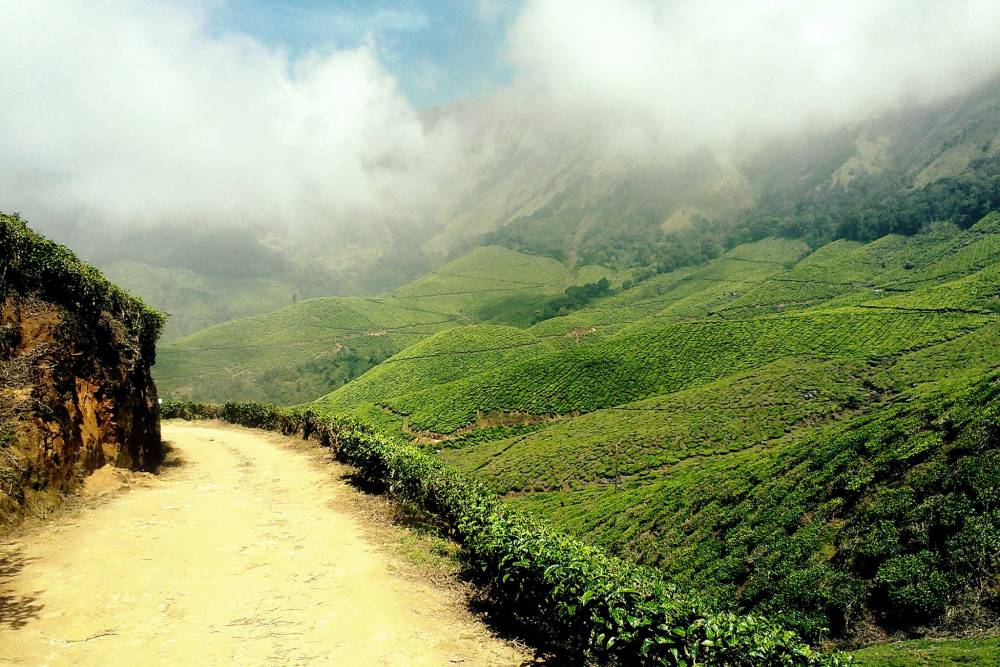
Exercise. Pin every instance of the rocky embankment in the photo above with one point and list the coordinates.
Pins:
(75, 386)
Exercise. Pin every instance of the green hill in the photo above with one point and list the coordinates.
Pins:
(196, 302)
(746, 424)
(885, 519)
(301, 351)
(697, 325)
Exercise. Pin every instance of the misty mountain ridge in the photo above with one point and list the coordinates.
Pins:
(562, 194)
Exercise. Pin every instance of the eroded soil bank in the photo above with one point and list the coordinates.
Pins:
(247, 552)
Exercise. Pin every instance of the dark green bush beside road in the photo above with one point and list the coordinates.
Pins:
(581, 599)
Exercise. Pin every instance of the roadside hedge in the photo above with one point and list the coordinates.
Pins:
(31, 262)
(581, 599)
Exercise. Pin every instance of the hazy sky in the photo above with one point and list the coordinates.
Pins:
(233, 111)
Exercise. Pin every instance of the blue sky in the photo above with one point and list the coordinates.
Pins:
(438, 49)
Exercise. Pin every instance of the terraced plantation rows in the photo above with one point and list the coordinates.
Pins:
(740, 424)
(744, 411)
(650, 358)
(821, 529)
(295, 352)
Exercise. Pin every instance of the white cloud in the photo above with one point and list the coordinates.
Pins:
(130, 112)
(133, 112)
(716, 70)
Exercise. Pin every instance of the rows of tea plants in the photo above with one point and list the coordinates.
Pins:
(444, 357)
(881, 268)
(293, 354)
(887, 518)
(648, 359)
(685, 293)
(710, 287)
(761, 407)
(963, 357)
(584, 602)
(943, 252)
(975, 292)
(479, 284)
(731, 414)
(306, 350)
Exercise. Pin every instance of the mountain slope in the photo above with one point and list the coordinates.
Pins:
(304, 350)
(689, 420)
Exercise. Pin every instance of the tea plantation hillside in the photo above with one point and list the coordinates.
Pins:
(305, 350)
(884, 519)
(809, 434)
(195, 302)
(694, 326)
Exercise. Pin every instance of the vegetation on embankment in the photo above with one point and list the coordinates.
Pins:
(32, 263)
(75, 384)
(577, 597)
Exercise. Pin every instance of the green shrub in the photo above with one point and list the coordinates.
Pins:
(188, 410)
(915, 583)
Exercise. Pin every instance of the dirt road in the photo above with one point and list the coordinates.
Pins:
(246, 553)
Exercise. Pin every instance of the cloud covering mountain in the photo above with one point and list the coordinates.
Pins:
(120, 112)
(715, 70)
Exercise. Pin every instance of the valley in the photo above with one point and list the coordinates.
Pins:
(698, 420)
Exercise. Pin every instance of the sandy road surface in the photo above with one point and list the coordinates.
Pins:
(245, 554)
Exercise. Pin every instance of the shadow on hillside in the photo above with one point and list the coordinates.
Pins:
(497, 619)
(15, 610)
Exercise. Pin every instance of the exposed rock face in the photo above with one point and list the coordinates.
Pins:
(75, 384)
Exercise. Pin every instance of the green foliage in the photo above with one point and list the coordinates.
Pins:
(584, 601)
(573, 298)
(293, 354)
(682, 330)
(692, 425)
(632, 241)
(913, 583)
(189, 410)
(314, 346)
(874, 206)
(744, 411)
(444, 357)
(32, 263)
(890, 515)
(653, 358)
(490, 434)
